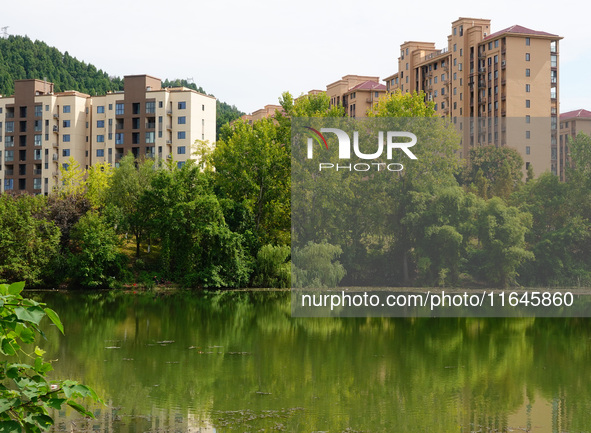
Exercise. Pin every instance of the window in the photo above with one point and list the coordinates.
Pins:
(66, 109)
(490, 45)
(527, 41)
(38, 140)
(435, 80)
(100, 109)
(66, 166)
(119, 109)
(159, 104)
(528, 134)
(100, 123)
(553, 61)
(10, 126)
(527, 103)
(497, 43)
(100, 138)
(527, 72)
(9, 156)
(38, 110)
(118, 138)
(8, 184)
(66, 138)
(527, 88)
(496, 59)
(150, 137)
(66, 124)
(100, 153)
(38, 126)
(181, 150)
(527, 57)
(182, 105)
(66, 152)
(203, 107)
(182, 120)
(461, 51)
(110, 107)
(150, 107)
(459, 67)
(37, 155)
(181, 135)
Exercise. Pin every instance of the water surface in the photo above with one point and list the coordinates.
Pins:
(237, 361)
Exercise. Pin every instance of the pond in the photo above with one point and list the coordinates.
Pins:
(238, 362)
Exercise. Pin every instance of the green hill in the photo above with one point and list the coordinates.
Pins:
(21, 58)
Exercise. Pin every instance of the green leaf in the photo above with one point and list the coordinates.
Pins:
(10, 427)
(55, 319)
(27, 336)
(56, 403)
(16, 288)
(79, 408)
(6, 404)
(30, 314)
(6, 348)
(43, 421)
(39, 351)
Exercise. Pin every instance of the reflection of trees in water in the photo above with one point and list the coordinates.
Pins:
(241, 351)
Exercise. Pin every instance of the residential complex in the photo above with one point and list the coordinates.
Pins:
(500, 88)
(263, 113)
(40, 130)
(571, 124)
(356, 93)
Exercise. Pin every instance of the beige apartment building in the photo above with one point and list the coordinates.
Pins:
(40, 130)
(355, 93)
(571, 124)
(268, 111)
(500, 88)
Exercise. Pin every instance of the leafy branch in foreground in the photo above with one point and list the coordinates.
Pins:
(26, 394)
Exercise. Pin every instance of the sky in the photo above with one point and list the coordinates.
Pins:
(249, 53)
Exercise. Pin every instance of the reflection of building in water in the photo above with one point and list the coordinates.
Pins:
(118, 420)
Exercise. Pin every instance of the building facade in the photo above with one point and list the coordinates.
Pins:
(572, 124)
(500, 88)
(355, 93)
(41, 130)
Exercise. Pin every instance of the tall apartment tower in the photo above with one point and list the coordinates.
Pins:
(500, 88)
(40, 130)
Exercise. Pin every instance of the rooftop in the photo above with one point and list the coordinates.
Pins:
(519, 30)
(576, 114)
(368, 85)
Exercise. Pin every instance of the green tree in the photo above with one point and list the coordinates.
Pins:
(27, 397)
(127, 185)
(27, 242)
(501, 166)
(95, 260)
(252, 167)
(97, 183)
(72, 178)
(197, 246)
(501, 233)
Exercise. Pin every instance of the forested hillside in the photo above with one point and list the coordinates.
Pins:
(21, 58)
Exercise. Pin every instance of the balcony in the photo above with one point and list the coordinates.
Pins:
(37, 171)
(9, 172)
(151, 125)
(169, 127)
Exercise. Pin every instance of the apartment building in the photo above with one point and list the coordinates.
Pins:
(500, 88)
(40, 130)
(571, 124)
(356, 93)
(268, 111)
